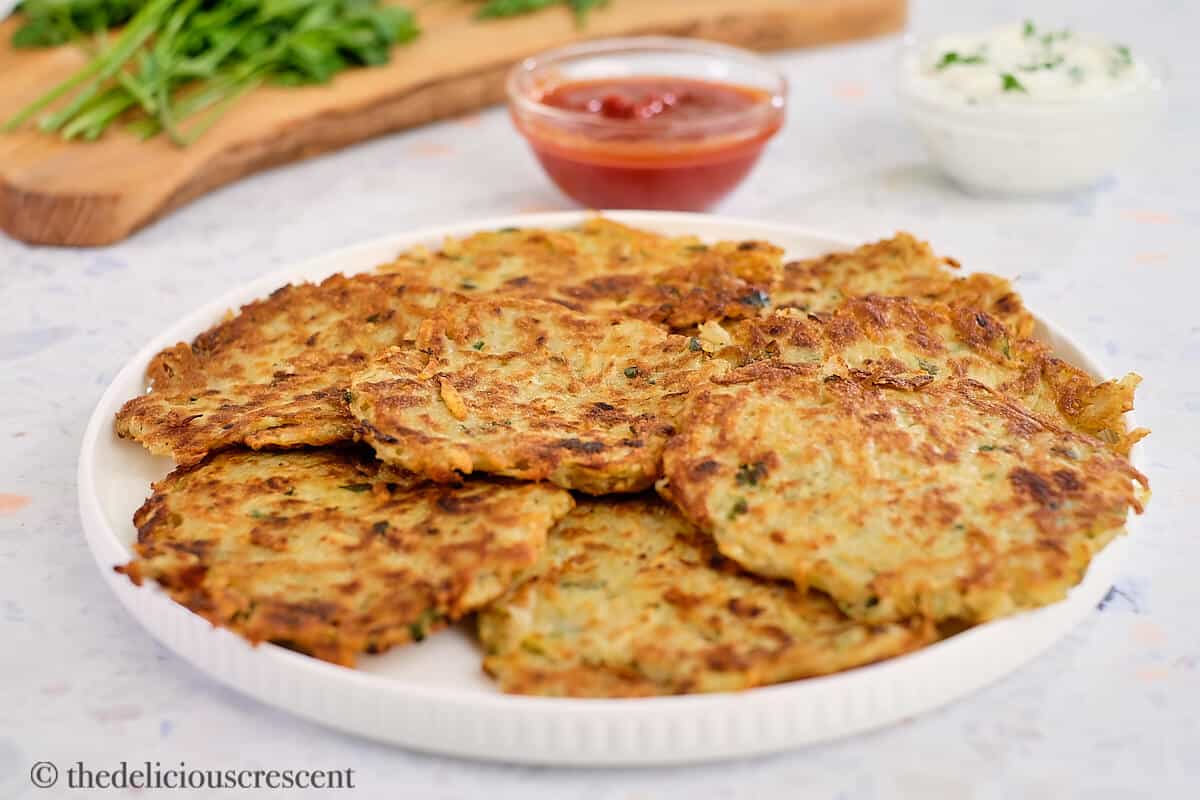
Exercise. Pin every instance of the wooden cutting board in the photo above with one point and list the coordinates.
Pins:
(96, 193)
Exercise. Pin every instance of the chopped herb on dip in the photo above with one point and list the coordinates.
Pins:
(1011, 84)
(952, 57)
(1028, 63)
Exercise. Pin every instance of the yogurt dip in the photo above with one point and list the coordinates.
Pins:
(1026, 108)
(1027, 64)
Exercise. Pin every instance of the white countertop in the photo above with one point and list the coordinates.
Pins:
(1112, 711)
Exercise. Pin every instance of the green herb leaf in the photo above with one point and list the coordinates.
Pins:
(420, 628)
(498, 9)
(740, 506)
(751, 474)
(1011, 84)
(631, 372)
(1050, 63)
(1049, 38)
(48, 23)
(953, 57)
(356, 487)
(694, 345)
(1028, 29)
(478, 345)
(581, 8)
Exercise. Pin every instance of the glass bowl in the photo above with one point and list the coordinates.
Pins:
(662, 161)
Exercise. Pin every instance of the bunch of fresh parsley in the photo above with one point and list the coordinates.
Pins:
(177, 66)
(175, 59)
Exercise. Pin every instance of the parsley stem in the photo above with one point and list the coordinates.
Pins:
(108, 64)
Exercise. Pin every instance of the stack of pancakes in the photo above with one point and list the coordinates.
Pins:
(648, 465)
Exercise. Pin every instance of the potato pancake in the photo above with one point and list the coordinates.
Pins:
(329, 553)
(943, 499)
(275, 373)
(900, 266)
(909, 343)
(529, 389)
(631, 600)
(603, 266)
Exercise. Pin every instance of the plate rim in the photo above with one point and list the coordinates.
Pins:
(108, 548)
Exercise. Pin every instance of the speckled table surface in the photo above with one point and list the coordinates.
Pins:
(1112, 711)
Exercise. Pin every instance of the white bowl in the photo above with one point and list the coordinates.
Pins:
(1039, 148)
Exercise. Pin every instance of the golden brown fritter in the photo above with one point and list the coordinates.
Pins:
(532, 390)
(275, 373)
(909, 343)
(631, 600)
(603, 266)
(900, 266)
(331, 554)
(943, 498)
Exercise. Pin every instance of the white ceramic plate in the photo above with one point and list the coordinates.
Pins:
(434, 696)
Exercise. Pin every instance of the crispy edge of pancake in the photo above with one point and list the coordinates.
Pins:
(531, 390)
(898, 266)
(940, 340)
(725, 472)
(330, 553)
(601, 267)
(207, 396)
(630, 600)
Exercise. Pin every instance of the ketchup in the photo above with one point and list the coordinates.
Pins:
(651, 98)
(651, 142)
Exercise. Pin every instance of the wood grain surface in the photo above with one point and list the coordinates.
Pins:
(96, 193)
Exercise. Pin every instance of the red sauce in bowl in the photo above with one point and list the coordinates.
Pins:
(652, 142)
(652, 98)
